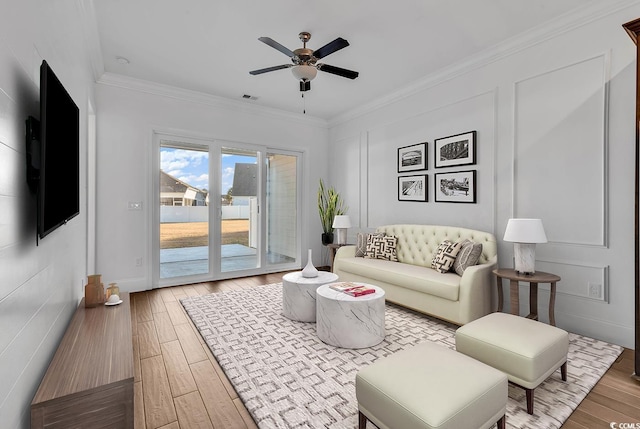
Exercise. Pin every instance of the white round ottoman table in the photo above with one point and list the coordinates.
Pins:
(299, 294)
(350, 322)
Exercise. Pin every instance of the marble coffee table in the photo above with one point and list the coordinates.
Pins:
(299, 294)
(350, 322)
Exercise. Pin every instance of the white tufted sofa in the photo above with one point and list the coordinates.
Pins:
(412, 282)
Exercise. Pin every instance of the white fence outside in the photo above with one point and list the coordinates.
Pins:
(176, 214)
(235, 212)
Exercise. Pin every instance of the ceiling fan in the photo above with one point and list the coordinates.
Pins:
(304, 65)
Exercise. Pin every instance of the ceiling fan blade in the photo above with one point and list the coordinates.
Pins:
(338, 71)
(275, 45)
(330, 48)
(270, 69)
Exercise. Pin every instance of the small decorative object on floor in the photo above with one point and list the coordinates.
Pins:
(93, 291)
(309, 270)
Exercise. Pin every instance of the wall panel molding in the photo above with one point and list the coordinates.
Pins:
(348, 170)
(364, 176)
(565, 104)
(578, 279)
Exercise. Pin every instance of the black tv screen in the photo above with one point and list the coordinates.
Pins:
(59, 183)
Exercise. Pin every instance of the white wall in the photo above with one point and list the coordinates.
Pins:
(40, 286)
(555, 122)
(130, 112)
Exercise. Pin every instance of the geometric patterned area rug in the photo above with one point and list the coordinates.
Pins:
(288, 378)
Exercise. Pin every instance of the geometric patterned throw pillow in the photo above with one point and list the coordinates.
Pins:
(361, 243)
(445, 256)
(381, 247)
(469, 254)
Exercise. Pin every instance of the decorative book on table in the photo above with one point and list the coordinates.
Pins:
(352, 288)
(342, 286)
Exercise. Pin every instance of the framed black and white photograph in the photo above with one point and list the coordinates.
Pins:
(455, 150)
(412, 158)
(457, 187)
(412, 188)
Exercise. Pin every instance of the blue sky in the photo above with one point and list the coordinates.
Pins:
(192, 166)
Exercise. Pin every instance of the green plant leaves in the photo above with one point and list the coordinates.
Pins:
(330, 204)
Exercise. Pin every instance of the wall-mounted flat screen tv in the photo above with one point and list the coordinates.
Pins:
(59, 183)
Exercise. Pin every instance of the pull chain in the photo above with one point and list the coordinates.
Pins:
(304, 105)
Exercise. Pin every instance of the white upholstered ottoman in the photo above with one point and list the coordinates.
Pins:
(431, 386)
(526, 350)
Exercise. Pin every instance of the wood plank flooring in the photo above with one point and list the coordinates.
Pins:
(179, 384)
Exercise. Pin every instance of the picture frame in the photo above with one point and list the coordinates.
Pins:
(413, 188)
(456, 150)
(412, 158)
(455, 187)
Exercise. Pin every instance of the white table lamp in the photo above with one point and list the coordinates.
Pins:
(341, 223)
(525, 233)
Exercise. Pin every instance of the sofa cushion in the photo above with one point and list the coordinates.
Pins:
(421, 279)
(361, 243)
(445, 256)
(468, 256)
(381, 247)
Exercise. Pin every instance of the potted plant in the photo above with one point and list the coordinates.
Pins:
(330, 204)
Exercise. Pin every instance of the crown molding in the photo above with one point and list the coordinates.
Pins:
(148, 87)
(565, 23)
(89, 25)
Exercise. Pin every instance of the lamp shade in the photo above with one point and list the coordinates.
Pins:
(341, 221)
(304, 72)
(525, 231)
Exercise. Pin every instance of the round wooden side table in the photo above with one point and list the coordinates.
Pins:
(533, 279)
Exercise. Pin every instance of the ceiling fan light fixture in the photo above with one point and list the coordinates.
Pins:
(304, 72)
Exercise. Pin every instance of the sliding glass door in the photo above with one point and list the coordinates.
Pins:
(239, 221)
(184, 210)
(224, 210)
(283, 208)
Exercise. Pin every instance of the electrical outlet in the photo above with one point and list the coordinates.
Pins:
(135, 205)
(595, 290)
(138, 262)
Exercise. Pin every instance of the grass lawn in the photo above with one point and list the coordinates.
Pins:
(192, 234)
